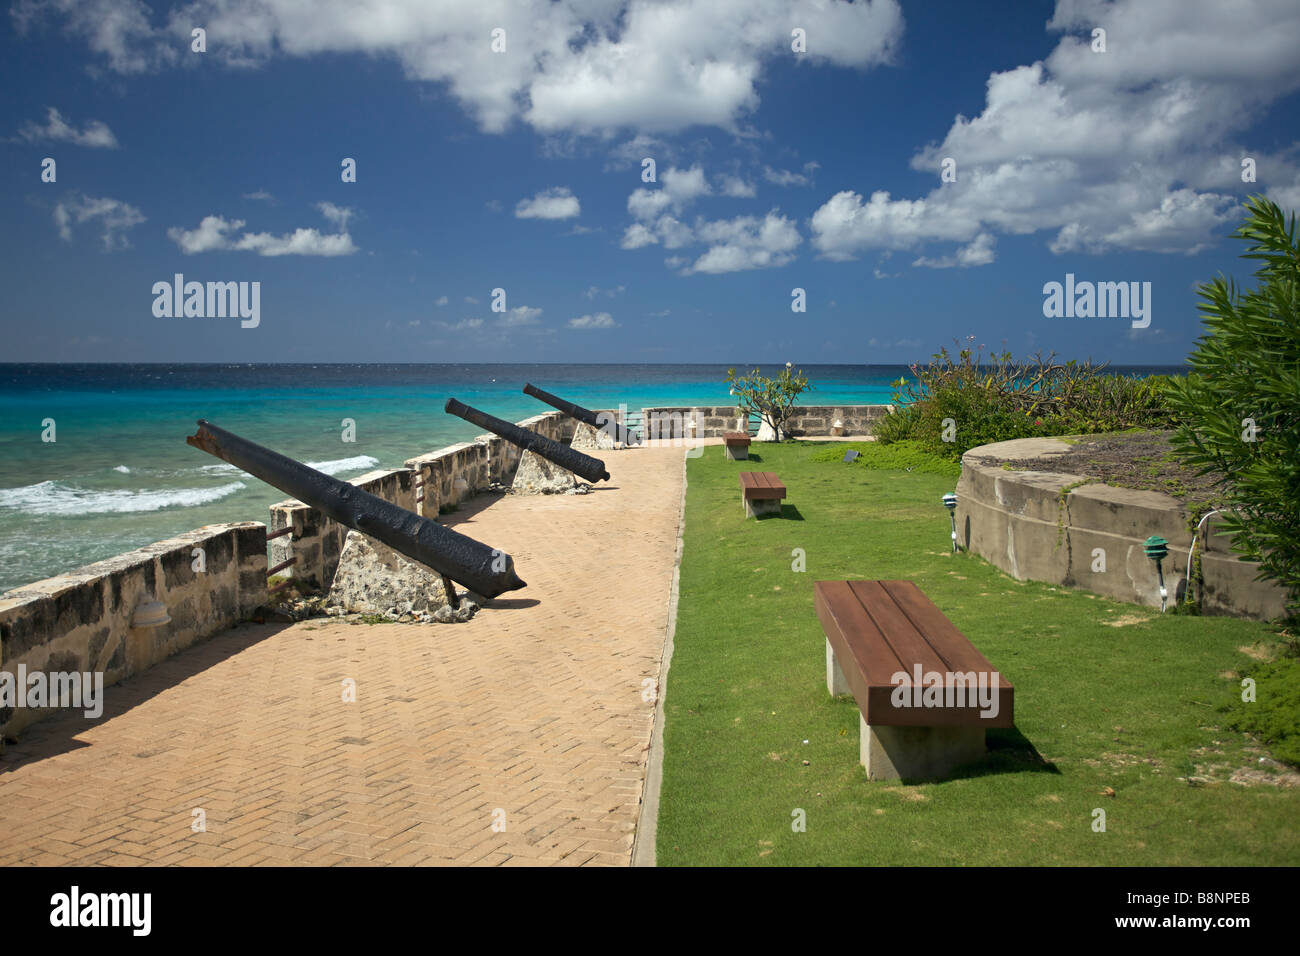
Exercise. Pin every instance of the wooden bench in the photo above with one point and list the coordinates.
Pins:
(761, 493)
(737, 444)
(924, 693)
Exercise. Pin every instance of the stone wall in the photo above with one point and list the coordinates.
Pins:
(1018, 521)
(807, 420)
(430, 482)
(316, 540)
(818, 419)
(81, 621)
(456, 473)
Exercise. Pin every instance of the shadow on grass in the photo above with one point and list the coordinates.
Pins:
(1009, 751)
(790, 512)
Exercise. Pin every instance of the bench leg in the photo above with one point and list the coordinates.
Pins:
(917, 753)
(755, 508)
(737, 453)
(835, 681)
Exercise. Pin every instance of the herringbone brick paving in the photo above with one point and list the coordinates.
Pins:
(530, 717)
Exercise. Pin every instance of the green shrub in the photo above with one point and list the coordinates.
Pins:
(1239, 409)
(957, 404)
(900, 456)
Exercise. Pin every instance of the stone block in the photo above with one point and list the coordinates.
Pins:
(917, 753)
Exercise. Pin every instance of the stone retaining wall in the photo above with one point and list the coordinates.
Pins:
(316, 540)
(81, 621)
(430, 482)
(1047, 526)
(487, 459)
(712, 420)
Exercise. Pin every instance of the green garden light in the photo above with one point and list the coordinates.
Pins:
(950, 502)
(1156, 549)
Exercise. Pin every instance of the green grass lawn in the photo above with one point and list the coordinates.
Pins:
(1117, 706)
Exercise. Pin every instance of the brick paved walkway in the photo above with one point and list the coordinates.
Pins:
(533, 710)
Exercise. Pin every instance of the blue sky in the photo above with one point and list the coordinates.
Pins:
(522, 170)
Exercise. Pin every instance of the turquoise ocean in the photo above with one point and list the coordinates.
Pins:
(118, 474)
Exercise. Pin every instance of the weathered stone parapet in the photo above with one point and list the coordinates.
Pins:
(673, 421)
(208, 579)
(317, 541)
(457, 472)
(1047, 526)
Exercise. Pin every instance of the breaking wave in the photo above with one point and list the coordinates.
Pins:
(57, 498)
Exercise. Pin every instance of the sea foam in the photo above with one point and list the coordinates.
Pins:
(57, 498)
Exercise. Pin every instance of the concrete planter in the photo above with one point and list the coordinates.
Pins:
(1093, 538)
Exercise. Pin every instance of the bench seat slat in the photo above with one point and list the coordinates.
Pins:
(951, 645)
(907, 642)
(839, 610)
(878, 628)
(761, 485)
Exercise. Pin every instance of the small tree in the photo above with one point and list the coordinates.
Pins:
(1240, 405)
(772, 398)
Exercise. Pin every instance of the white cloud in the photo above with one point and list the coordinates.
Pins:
(785, 177)
(1128, 149)
(461, 326)
(261, 195)
(555, 203)
(637, 236)
(210, 235)
(673, 234)
(471, 300)
(601, 320)
(115, 216)
(441, 301)
(651, 207)
(120, 31)
(520, 315)
(845, 224)
(576, 66)
(595, 290)
(56, 129)
(217, 233)
(679, 188)
(338, 215)
(646, 204)
(977, 253)
(737, 187)
(746, 243)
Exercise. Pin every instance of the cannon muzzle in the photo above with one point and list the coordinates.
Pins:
(584, 466)
(486, 571)
(585, 415)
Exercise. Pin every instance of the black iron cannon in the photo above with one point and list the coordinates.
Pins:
(585, 415)
(584, 466)
(484, 570)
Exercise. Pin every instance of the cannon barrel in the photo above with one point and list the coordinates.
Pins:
(584, 466)
(585, 415)
(484, 570)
